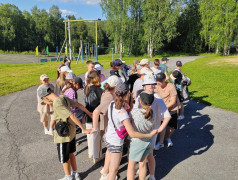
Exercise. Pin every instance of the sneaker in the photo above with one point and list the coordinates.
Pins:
(159, 145)
(66, 178)
(46, 131)
(170, 143)
(103, 177)
(181, 117)
(75, 176)
(152, 178)
(90, 156)
(98, 159)
(50, 132)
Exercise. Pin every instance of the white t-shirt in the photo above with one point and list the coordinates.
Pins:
(158, 107)
(137, 86)
(156, 71)
(111, 135)
(85, 78)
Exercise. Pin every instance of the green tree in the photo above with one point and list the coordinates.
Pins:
(219, 19)
(160, 18)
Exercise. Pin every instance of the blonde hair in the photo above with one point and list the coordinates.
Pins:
(60, 82)
(134, 66)
(93, 78)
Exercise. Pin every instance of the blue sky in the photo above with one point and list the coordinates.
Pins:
(86, 9)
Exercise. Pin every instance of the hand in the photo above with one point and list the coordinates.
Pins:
(154, 132)
(93, 131)
(87, 131)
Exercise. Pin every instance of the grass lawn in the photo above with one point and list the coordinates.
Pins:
(16, 77)
(214, 81)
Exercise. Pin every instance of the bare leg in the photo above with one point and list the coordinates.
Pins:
(52, 124)
(66, 167)
(106, 163)
(115, 160)
(142, 168)
(162, 134)
(73, 161)
(171, 131)
(45, 124)
(131, 170)
(181, 111)
(151, 162)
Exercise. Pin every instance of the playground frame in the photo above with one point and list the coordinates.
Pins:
(80, 20)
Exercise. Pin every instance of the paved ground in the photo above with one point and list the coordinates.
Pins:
(205, 145)
(17, 59)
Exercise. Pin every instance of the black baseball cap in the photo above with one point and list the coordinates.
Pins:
(79, 81)
(179, 63)
(114, 72)
(164, 59)
(160, 77)
(147, 98)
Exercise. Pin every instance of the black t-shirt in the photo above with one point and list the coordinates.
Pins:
(131, 81)
(92, 100)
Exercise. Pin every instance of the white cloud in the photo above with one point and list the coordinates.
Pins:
(66, 12)
(91, 2)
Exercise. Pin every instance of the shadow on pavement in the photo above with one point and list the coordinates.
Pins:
(192, 138)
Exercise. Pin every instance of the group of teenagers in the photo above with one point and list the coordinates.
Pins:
(129, 108)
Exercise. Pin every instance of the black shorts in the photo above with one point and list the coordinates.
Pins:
(181, 99)
(64, 149)
(173, 123)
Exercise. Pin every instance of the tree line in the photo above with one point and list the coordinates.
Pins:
(133, 27)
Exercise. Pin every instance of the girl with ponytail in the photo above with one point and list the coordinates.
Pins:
(142, 121)
(118, 122)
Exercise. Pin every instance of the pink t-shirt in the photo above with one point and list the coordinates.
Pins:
(102, 77)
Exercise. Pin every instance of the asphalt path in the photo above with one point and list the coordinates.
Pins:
(205, 144)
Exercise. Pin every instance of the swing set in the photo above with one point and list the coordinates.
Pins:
(90, 51)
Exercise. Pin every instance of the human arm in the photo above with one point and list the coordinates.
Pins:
(167, 77)
(80, 106)
(96, 114)
(77, 122)
(172, 102)
(134, 134)
(164, 124)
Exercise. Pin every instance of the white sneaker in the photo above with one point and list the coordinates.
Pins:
(170, 143)
(104, 177)
(159, 145)
(46, 131)
(181, 117)
(66, 178)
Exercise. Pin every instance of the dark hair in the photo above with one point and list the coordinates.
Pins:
(107, 87)
(89, 62)
(156, 62)
(149, 112)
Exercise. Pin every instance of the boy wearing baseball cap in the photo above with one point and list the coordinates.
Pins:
(66, 143)
(45, 108)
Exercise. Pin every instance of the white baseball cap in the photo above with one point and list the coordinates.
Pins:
(146, 70)
(43, 76)
(98, 67)
(149, 79)
(65, 69)
(70, 75)
(144, 62)
(113, 81)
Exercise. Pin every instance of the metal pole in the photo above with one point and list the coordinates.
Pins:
(70, 49)
(96, 41)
